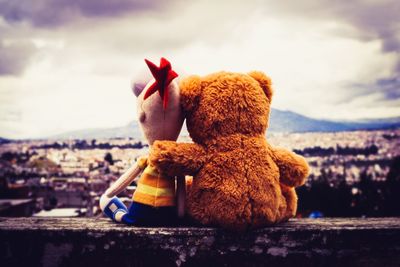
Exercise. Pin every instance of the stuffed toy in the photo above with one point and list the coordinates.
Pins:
(240, 181)
(160, 118)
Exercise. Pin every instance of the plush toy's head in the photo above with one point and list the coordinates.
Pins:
(226, 103)
(158, 103)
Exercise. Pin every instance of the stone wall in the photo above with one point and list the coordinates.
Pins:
(99, 242)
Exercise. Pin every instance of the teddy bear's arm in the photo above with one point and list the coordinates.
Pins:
(177, 159)
(292, 167)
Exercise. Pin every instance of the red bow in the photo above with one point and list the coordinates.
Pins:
(164, 76)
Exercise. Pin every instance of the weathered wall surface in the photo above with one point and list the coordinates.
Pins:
(99, 242)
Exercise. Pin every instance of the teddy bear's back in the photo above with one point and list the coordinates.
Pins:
(238, 186)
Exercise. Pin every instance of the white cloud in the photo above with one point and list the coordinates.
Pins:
(80, 74)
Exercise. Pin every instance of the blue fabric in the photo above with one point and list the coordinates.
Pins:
(145, 215)
(120, 207)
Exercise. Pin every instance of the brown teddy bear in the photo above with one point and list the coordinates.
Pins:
(240, 181)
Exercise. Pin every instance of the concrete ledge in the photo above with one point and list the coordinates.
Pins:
(99, 242)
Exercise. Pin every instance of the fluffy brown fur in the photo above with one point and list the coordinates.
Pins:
(239, 180)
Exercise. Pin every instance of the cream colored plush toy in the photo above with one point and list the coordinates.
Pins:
(160, 117)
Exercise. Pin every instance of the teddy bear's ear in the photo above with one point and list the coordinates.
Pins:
(264, 81)
(190, 90)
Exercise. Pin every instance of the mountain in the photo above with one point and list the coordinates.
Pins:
(280, 121)
(4, 141)
(130, 130)
(288, 121)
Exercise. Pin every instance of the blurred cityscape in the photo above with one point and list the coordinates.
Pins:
(353, 173)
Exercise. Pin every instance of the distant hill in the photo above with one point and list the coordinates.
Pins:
(280, 121)
(287, 121)
(130, 130)
(4, 141)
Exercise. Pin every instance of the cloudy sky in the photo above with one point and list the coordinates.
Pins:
(68, 64)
